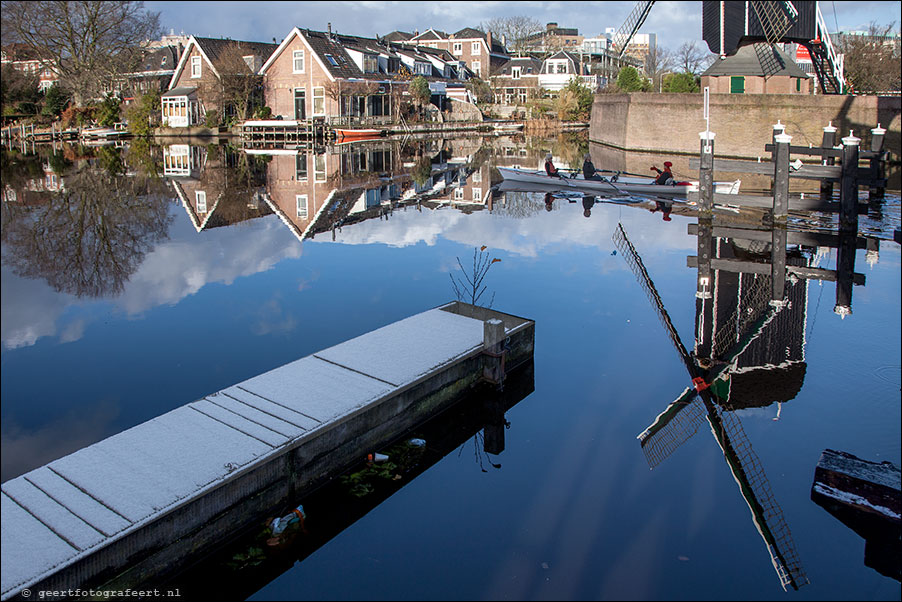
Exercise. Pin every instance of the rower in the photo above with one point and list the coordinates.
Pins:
(550, 169)
(666, 176)
(589, 171)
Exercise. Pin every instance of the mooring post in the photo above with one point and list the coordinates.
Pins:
(706, 175)
(845, 269)
(778, 263)
(848, 201)
(781, 176)
(878, 165)
(704, 317)
(828, 143)
(493, 350)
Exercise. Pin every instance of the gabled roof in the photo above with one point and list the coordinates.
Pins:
(745, 61)
(211, 49)
(563, 54)
(397, 36)
(430, 34)
(525, 62)
(468, 33)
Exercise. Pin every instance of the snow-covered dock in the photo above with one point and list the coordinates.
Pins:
(118, 512)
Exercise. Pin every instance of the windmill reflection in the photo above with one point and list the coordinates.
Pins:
(711, 398)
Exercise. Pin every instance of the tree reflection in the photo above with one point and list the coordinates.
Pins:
(91, 236)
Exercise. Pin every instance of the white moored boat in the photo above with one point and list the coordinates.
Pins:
(620, 185)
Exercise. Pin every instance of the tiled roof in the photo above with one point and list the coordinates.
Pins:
(745, 61)
(213, 47)
(524, 62)
(159, 59)
(397, 36)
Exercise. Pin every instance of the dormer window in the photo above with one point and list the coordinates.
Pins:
(515, 72)
(370, 64)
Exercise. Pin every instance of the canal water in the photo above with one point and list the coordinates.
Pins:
(138, 279)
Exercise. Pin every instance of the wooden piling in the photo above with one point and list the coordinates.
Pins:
(781, 176)
(848, 202)
(778, 263)
(878, 164)
(493, 347)
(706, 174)
(828, 142)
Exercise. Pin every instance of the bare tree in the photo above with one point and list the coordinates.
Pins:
(238, 89)
(86, 42)
(872, 61)
(513, 30)
(658, 62)
(690, 58)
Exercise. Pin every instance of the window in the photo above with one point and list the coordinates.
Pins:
(195, 66)
(201, 200)
(458, 48)
(302, 205)
(476, 67)
(319, 168)
(477, 194)
(297, 61)
(458, 194)
(798, 85)
(300, 103)
(477, 176)
(515, 72)
(332, 60)
(300, 167)
(423, 69)
(370, 64)
(737, 84)
(319, 101)
(476, 48)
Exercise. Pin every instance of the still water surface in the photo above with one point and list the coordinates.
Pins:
(143, 294)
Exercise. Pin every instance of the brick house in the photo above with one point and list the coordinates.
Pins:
(516, 80)
(480, 51)
(742, 73)
(188, 98)
(348, 79)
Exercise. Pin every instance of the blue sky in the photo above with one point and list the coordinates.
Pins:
(673, 22)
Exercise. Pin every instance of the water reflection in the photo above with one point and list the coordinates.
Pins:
(749, 351)
(84, 232)
(257, 558)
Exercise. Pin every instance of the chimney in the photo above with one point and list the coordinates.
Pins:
(329, 27)
(488, 40)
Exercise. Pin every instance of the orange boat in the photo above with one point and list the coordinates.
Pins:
(358, 134)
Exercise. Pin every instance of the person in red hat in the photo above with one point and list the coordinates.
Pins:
(666, 176)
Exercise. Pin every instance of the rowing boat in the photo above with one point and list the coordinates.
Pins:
(622, 185)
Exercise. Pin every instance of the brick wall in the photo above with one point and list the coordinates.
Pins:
(743, 123)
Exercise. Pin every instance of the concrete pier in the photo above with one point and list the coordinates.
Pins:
(132, 506)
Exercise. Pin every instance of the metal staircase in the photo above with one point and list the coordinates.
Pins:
(828, 65)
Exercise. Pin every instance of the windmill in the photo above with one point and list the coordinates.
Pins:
(708, 399)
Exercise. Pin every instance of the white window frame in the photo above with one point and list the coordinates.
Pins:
(477, 176)
(321, 96)
(477, 194)
(516, 72)
(295, 55)
(476, 67)
(458, 194)
(200, 199)
(302, 208)
(476, 48)
(458, 48)
(196, 67)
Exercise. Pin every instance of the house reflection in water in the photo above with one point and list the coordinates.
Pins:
(217, 187)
